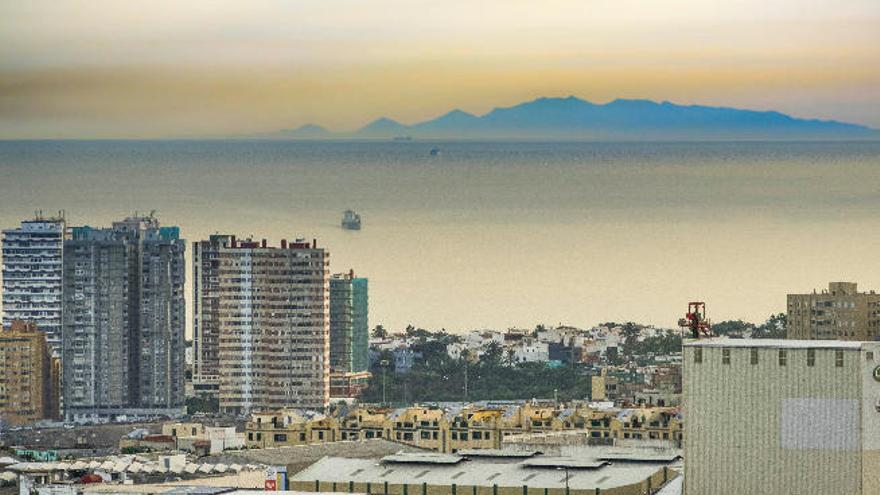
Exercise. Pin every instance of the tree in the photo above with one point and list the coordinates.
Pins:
(380, 333)
(773, 328)
(736, 328)
(492, 354)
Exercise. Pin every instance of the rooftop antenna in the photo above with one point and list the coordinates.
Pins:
(695, 320)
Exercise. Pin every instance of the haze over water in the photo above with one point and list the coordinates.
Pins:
(493, 235)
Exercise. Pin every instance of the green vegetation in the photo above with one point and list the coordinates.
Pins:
(135, 450)
(438, 377)
(202, 404)
(773, 328)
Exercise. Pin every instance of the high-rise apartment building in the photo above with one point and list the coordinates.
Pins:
(349, 323)
(841, 312)
(206, 314)
(32, 257)
(28, 379)
(124, 320)
(273, 313)
(781, 416)
(349, 335)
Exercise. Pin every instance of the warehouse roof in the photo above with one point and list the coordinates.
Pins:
(483, 472)
(776, 343)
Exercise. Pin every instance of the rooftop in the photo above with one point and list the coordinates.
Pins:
(584, 473)
(776, 343)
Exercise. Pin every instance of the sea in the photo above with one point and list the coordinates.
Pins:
(495, 235)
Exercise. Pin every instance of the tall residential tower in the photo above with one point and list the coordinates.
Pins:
(349, 334)
(124, 320)
(32, 257)
(272, 314)
(206, 314)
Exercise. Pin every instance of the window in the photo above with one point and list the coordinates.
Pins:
(280, 437)
(725, 356)
(426, 435)
(869, 356)
(477, 435)
(698, 355)
(754, 357)
(302, 437)
(783, 357)
(838, 359)
(811, 357)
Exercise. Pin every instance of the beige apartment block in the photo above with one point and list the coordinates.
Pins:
(273, 316)
(840, 312)
(781, 416)
(27, 375)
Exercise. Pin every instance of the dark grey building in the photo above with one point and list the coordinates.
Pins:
(123, 320)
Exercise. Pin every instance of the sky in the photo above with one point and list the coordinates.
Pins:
(110, 69)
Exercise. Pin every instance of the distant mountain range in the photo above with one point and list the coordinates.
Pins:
(574, 118)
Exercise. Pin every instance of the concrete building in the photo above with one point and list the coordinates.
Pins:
(841, 312)
(464, 427)
(206, 314)
(124, 318)
(349, 335)
(28, 377)
(781, 416)
(274, 326)
(32, 255)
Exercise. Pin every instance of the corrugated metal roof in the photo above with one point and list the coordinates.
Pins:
(427, 458)
(565, 462)
(497, 453)
(479, 472)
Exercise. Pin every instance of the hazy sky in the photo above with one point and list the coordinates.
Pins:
(171, 68)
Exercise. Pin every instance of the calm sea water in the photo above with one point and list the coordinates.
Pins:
(492, 235)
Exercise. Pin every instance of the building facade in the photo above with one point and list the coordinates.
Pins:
(206, 314)
(841, 312)
(28, 378)
(781, 416)
(274, 326)
(473, 426)
(124, 320)
(32, 258)
(349, 335)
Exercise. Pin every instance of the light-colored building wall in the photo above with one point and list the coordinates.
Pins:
(781, 416)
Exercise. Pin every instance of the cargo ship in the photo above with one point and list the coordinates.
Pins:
(351, 220)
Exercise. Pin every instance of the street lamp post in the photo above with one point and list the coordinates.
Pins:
(565, 468)
(384, 364)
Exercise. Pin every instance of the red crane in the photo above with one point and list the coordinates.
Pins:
(695, 320)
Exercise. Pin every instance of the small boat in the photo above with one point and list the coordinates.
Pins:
(435, 151)
(351, 220)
